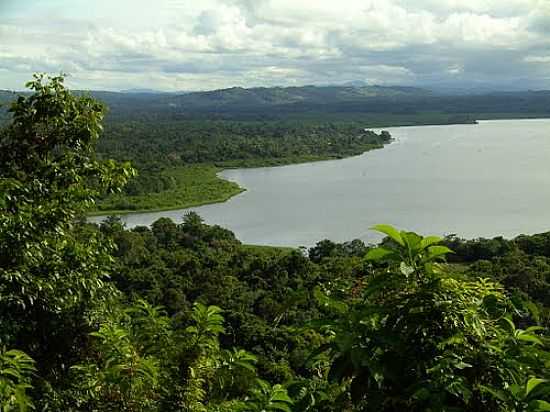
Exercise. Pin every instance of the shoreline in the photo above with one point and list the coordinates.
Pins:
(288, 162)
(124, 212)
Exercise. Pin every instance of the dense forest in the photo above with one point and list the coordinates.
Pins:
(177, 160)
(184, 317)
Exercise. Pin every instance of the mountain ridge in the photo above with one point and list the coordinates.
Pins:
(321, 102)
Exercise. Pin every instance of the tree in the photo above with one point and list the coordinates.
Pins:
(52, 272)
(143, 362)
(15, 377)
(421, 339)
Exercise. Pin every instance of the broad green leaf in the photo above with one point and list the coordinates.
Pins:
(436, 251)
(532, 384)
(281, 396)
(534, 328)
(412, 240)
(527, 337)
(379, 253)
(539, 406)
(390, 231)
(429, 241)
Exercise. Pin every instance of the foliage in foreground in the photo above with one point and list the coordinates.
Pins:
(419, 338)
(16, 368)
(142, 361)
(387, 328)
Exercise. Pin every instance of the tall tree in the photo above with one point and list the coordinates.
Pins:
(51, 272)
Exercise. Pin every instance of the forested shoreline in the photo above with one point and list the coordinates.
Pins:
(172, 158)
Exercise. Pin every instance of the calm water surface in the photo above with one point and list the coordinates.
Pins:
(473, 180)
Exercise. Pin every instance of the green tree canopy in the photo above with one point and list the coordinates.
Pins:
(52, 271)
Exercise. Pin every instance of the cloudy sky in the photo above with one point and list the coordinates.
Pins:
(207, 44)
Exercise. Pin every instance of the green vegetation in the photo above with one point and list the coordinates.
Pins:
(352, 327)
(183, 317)
(192, 186)
(422, 339)
(174, 158)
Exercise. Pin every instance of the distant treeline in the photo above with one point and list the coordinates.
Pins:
(332, 103)
(185, 142)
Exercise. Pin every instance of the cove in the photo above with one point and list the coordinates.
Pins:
(488, 179)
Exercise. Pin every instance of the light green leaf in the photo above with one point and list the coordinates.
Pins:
(436, 251)
(534, 328)
(539, 406)
(510, 323)
(527, 337)
(429, 240)
(406, 269)
(281, 396)
(390, 231)
(379, 253)
(532, 384)
(463, 365)
(412, 240)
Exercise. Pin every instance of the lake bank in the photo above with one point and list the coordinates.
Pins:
(473, 180)
(211, 188)
(204, 185)
(195, 185)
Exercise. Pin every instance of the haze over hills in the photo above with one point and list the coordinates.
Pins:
(349, 101)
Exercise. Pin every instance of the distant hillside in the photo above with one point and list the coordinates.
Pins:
(337, 102)
(7, 96)
(275, 96)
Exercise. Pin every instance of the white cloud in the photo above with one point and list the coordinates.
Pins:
(482, 30)
(174, 44)
(537, 59)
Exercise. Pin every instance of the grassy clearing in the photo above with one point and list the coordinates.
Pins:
(196, 185)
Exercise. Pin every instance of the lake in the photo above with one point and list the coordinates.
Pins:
(488, 179)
